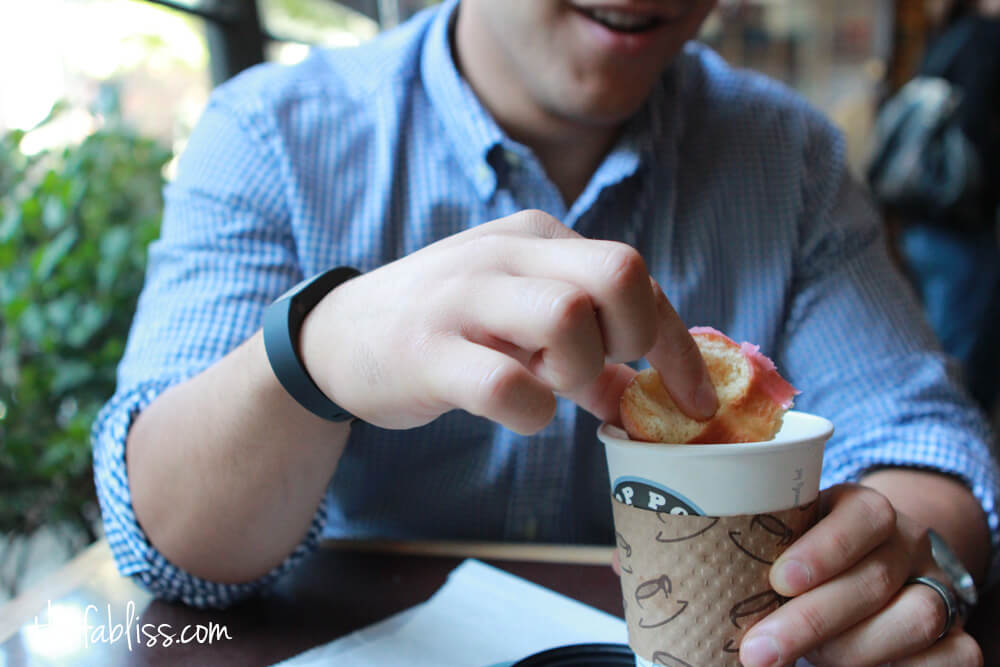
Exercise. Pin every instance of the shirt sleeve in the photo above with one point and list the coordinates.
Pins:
(224, 253)
(860, 349)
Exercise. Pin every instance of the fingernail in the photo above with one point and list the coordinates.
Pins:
(792, 578)
(706, 401)
(760, 652)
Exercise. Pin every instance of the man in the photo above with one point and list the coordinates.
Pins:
(419, 159)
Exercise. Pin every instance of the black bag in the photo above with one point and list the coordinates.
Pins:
(921, 162)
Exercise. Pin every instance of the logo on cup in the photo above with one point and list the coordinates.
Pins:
(642, 494)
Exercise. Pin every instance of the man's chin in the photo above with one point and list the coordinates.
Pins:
(602, 113)
(605, 102)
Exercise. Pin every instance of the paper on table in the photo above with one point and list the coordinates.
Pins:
(481, 616)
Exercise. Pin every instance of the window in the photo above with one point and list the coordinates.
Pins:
(152, 61)
(294, 25)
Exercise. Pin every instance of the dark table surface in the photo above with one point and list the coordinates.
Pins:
(342, 588)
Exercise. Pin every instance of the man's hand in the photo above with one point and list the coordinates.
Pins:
(497, 320)
(849, 604)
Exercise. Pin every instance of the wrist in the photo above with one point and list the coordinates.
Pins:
(321, 346)
(941, 502)
(283, 323)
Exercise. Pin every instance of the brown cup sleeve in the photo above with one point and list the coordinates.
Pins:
(693, 585)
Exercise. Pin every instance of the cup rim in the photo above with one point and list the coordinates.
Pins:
(822, 430)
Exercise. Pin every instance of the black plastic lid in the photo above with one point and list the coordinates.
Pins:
(582, 655)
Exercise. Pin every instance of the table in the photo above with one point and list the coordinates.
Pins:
(344, 586)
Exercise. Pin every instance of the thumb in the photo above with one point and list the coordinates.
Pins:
(600, 398)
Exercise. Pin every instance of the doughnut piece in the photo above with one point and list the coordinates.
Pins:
(753, 398)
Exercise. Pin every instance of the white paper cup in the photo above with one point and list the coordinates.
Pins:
(720, 480)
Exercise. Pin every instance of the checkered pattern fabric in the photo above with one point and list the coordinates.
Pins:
(734, 190)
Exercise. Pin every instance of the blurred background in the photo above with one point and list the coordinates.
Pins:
(97, 98)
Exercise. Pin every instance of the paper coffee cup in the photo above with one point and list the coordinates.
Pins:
(698, 527)
(720, 480)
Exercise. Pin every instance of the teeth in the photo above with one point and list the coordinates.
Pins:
(622, 20)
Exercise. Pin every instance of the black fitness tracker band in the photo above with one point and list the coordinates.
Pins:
(282, 323)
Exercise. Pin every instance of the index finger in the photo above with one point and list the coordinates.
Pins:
(676, 357)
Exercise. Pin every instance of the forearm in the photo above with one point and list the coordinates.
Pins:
(226, 470)
(944, 504)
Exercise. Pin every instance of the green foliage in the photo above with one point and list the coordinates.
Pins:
(74, 226)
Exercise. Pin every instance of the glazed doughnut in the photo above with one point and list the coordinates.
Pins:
(753, 398)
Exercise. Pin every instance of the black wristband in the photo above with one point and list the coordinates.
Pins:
(282, 323)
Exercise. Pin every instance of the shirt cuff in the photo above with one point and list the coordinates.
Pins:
(933, 451)
(133, 554)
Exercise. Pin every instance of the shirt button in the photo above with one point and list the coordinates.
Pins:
(513, 159)
(483, 173)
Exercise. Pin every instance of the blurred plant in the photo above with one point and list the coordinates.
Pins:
(74, 226)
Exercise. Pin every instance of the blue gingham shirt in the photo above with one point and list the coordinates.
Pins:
(734, 190)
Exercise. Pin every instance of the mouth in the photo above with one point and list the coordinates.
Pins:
(617, 20)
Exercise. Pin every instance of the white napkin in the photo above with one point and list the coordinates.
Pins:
(481, 616)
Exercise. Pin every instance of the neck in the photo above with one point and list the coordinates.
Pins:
(570, 162)
(570, 150)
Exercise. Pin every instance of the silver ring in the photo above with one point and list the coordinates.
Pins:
(947, 596)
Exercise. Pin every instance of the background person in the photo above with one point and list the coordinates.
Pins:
(952, 257)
